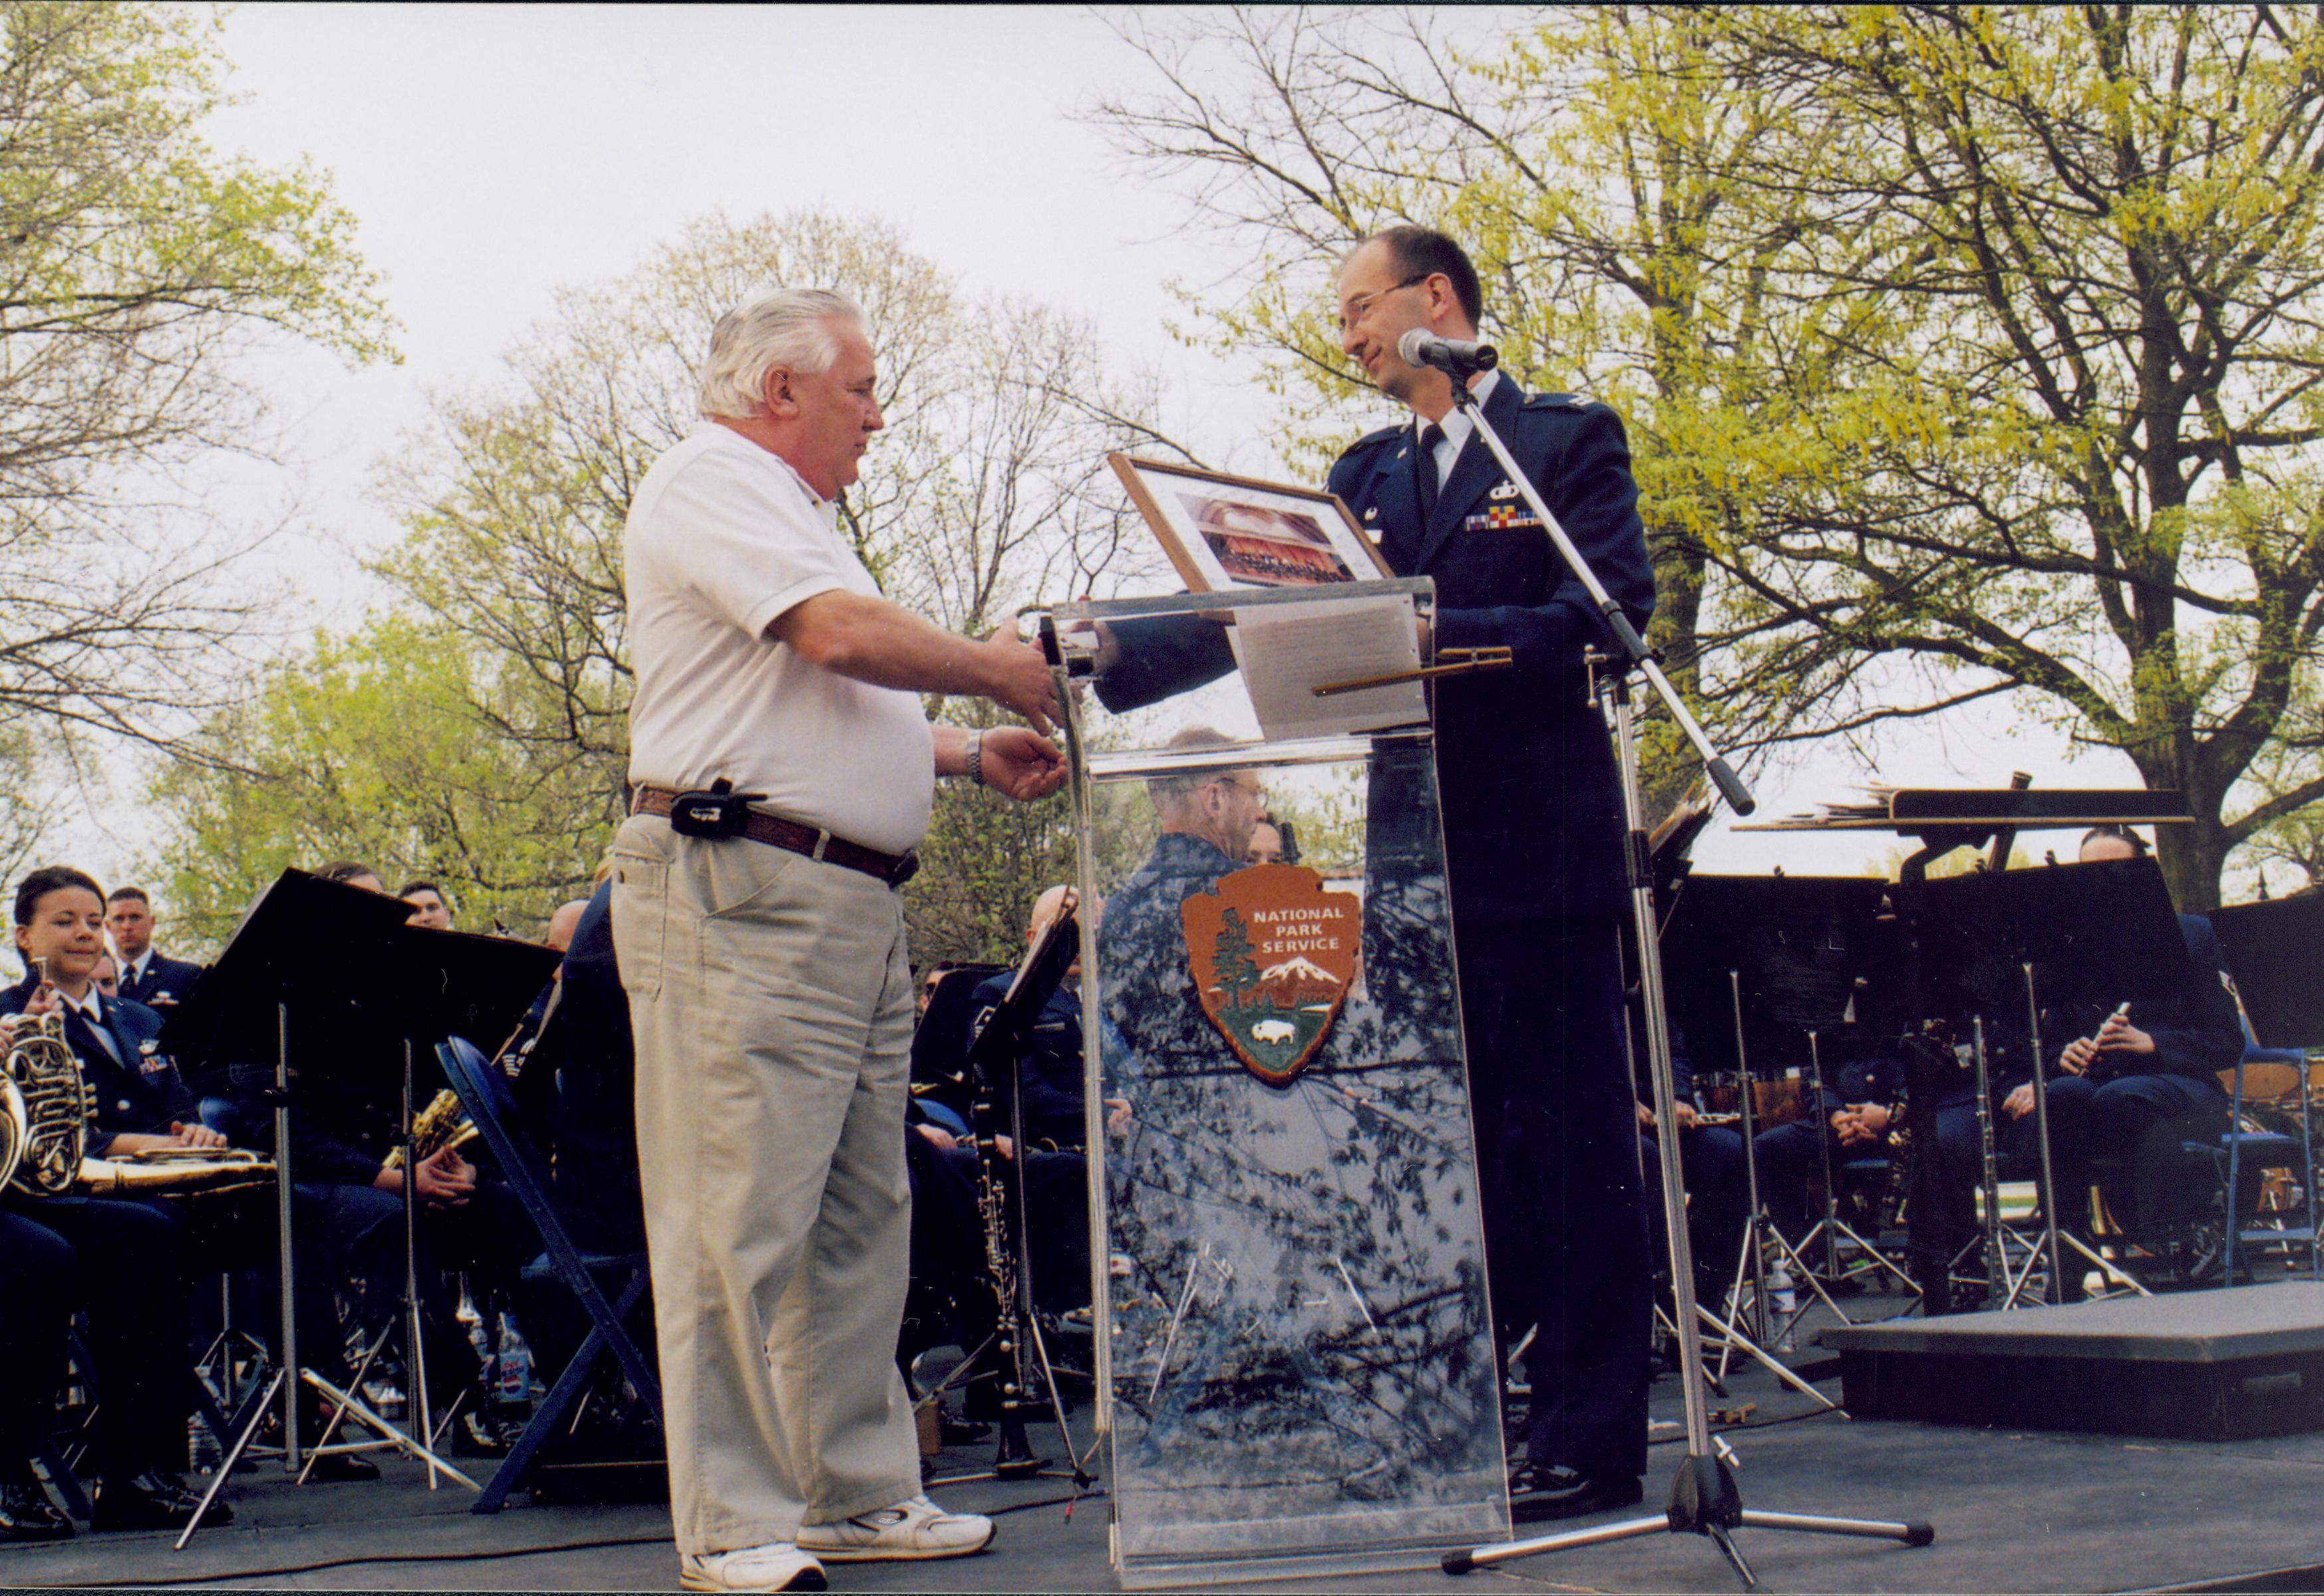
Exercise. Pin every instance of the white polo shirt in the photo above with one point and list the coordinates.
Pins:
(723, 538)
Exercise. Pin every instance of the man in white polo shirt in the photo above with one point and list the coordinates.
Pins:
(782, 771)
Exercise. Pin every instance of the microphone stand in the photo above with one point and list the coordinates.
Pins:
(1704, 1500)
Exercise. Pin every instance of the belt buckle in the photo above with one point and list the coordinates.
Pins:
(822, 841)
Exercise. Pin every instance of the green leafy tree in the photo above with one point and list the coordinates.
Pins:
(372, 747)
(137, 266)
(1967, 350)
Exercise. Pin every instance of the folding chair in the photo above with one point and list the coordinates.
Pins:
(484, 1093)
(2238, 1150)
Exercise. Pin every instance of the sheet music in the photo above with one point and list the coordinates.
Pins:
(1287, 650)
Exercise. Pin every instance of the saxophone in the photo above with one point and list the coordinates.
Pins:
(441, 1124)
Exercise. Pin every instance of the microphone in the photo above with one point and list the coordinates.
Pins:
(1459, 356)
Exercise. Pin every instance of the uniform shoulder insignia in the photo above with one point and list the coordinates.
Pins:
(1374, 439)
(1559, 402)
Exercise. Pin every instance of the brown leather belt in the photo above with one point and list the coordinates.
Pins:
(895, 869)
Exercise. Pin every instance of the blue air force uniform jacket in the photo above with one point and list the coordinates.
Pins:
(1533, 818)
(140, 1091)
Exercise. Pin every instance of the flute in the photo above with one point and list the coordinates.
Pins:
(2092, 1040)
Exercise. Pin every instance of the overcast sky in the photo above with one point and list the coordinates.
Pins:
(491, 154)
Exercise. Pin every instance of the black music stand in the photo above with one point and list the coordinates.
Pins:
(2103, 932)
(995, 1068)
(444, 984)
(1761, 966)
(2274, 951)
(308, 951)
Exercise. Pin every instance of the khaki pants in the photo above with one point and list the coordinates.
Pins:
(771, 1004)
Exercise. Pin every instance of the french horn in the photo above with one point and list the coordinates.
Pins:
(45, 1110)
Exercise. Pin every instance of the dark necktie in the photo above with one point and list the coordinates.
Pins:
(1424, 466)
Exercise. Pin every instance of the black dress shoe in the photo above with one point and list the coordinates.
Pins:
(150, 1500)
(1539, 1491)
(483, 1434)
(26, 1514)
(342, 1468)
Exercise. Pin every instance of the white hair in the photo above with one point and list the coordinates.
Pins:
(791, 326)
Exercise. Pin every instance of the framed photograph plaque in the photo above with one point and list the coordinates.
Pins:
(1235, 531)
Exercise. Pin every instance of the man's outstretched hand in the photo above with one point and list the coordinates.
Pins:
(1022, 763)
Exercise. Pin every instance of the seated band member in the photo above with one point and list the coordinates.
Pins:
(1207, 817)
(428, 908)
(2132, 1069)
(123, 1262)
(1272, 842)
(141, 1103)
(1050, 1075)
(1862, 1115)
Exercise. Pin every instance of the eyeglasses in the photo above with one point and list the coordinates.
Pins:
(1249, 784)
(1361, 305)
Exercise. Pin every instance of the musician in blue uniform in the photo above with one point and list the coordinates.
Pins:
(122, 1260)
(1533, 838)
(148, 976)
(2127, 1073)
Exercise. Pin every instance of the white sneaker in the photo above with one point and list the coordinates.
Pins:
(780, 1566)
(914, 1528)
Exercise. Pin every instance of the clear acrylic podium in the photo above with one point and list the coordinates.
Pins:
(1295, 1358)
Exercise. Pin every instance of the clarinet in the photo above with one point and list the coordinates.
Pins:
(1018, 1373)
(1997, 1259)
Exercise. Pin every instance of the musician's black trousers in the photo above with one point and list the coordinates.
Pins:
(1711, 1157)
(1557, 1149)
(1790, 1165)
(123, 1261)
(2089, 1120)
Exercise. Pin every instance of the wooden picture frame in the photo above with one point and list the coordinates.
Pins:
(1223, 531)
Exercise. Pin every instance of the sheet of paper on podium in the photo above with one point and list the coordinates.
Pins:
(1287, 651)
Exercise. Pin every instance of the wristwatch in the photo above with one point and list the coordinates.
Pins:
(973, 767)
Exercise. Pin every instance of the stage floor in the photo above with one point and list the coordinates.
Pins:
(2015, 1511)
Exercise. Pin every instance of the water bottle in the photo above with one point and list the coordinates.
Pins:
(1785, 1300)
(513, 1367)
(202, 1447)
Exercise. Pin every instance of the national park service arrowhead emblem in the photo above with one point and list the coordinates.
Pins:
(1273, 955)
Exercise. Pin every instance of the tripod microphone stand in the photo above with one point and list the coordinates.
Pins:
(1704, 1500)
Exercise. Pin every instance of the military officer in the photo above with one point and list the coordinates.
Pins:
(1533, 838)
